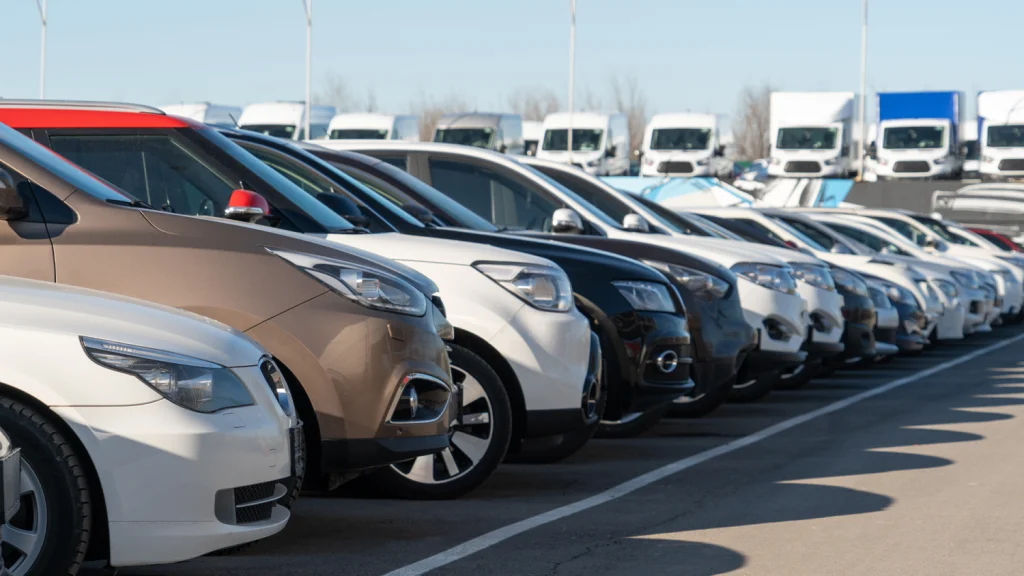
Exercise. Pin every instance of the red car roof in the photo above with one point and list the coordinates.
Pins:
(71, 118)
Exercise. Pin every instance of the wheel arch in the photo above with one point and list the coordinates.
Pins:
(509, 380)
(310, 428)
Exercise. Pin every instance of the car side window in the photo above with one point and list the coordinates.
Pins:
(876, 243)
(814, 234)
(906, 230)
(400, 162)
(157, 169)
(764, 230)
(499, 199)
(607, 203)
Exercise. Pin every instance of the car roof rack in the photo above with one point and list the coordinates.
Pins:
(80, 105)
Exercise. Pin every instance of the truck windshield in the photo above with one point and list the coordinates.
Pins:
(358, 134)
(807, 138)
(583, 139)
(275, 130)
(1009, 136)
(913, 137)
(680, 139)
(477, 137)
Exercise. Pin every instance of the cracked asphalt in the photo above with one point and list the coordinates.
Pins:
(923, 479)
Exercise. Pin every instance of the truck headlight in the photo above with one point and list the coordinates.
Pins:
(649, 296)
(370, 288)
(767, 275)
(987, 159)
(542, 287)
(775, 161)
(939, 161)
(829, 162)
(702, 162)
(817, 276)
(850, 282)
(700, 283)
(594, 163)
(191, 383)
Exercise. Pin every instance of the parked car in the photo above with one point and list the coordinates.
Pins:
(357, 336)
(636, 389)
(148, 435)
(997, 239)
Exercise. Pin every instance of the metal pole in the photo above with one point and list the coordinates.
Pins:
(308, 5)
(42, 50)
(572, 73)
(863, 90)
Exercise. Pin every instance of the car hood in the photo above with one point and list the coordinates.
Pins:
(724, 252)
(407, 248)
(78, 312)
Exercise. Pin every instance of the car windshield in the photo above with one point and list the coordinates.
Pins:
(940, 229)
(1009, 136)
(275, 130)
(358, 134)
(477, 137)
(587, 206)
(680, 139)
(670, 220)
(583, 139)
(913, 137)
(807, 138)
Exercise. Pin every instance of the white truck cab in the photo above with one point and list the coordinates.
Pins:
(207, 113)
(374, 127)
(600, 141)
(810, 134)
(499, 132)
(286, 120)
(918, 135)
(1001, 134)
(683, 144)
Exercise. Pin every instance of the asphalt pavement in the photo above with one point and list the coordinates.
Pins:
(913, 468)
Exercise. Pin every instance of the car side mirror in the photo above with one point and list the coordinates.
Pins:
(566, 221)
(246, 206)
(635, 223)
(419, 213)
(345, 208)
(13, 203)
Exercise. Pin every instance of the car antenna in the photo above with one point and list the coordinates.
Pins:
(232, 116)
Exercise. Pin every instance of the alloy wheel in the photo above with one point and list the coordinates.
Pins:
(23, 536)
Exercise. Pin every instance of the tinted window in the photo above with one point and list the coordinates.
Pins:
(276, 130)
(671, 220)
(476, 137)
(602, 200)
(359, 134)
(876, 243)
(907, 230)
(494, 197)
(818, 236)
(400, 162)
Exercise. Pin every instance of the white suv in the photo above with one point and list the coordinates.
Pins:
(179, 425)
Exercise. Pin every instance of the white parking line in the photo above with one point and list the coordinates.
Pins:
(501, 534)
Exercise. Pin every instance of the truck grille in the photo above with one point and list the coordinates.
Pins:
(675, 167)
(803, 166)
(255, 503)
(1013, 164)
(910, 166)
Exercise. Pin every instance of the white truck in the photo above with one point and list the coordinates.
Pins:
(811, 134)
(212, 114)
(918, 134)
(286, 120)
(374, 127)
(533, 131)
(1001, 133)
(600, 141)
(683, 144)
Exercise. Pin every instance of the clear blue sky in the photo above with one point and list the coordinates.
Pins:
(686, 54)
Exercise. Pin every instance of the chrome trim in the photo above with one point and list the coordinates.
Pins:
(243, 211)
(79, 105)
(401, 387)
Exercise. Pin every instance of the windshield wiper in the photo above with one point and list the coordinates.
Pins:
(352, 230)
(132, 203)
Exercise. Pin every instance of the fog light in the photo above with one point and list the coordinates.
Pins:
(408, 404)
(667, 361)
(423, 399)
(777, 330)
(821, 322)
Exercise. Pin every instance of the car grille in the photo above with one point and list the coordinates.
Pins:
(803, 166)
(1012, 164)
(675, 167)
(910, 166)
(255, 503)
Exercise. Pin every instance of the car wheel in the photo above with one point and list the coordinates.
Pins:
(479, 439)
(633, 423)
(750, 389)
(702, 404)
(50, 533)
(798, 377)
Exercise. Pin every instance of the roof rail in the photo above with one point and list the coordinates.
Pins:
(80, 105)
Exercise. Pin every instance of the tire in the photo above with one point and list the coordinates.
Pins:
(56, 506)
(429, 477)
(294, 483)
(705, 403)
(753, 389)
(632, 424)
(798, 379)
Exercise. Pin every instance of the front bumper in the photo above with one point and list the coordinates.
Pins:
(780, 319)
(826, 313)
(912, 331)
(830, 171)
(722, 337)
(934, 171)
(641, 338)
(540, 423)
(194, 463)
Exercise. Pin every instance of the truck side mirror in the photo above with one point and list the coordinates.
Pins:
(345, 208)
(566, 221)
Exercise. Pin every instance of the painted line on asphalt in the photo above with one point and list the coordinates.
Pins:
(501, 534)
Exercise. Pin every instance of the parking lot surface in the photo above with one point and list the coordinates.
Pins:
(911, 468)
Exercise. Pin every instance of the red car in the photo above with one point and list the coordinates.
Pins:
(998, 239)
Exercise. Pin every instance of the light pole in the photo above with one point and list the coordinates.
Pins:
(572, 72)
(42, 50)
(863, 89)
(308, 5)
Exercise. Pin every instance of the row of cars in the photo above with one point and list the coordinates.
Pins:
(401, 317)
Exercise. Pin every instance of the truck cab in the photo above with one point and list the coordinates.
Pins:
(374, 127)
(810, 134)
(1001, 134)
(600, 141)
(918, 135)
(683, 145)
(286, 120)
(499, 132)
(207, 113)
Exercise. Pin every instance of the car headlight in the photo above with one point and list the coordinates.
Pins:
(649, 296)
(542, 287)
(947, 287)
(371, 288)
(817, 276)
(767, 275)
(965, 279)
(897, 294)
(879, 298)
(850, 282)
(700, 283)
(191, 383)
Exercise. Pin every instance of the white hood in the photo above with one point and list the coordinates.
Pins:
(406, 248)
(724, 252)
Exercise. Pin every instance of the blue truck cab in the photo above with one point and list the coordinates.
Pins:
(918, 135)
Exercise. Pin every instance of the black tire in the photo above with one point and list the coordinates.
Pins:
(51, 459)
(390, 482)
(294, 483)
(553, 449)
(705, 404)
(752, 389)
(631, 425)
(800, 379)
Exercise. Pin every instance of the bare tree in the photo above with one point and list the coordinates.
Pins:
(534, 104)
(335, 93)
(371, 100)
(430, 110)
(750, 131)
(631, 101)
(589, 101)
